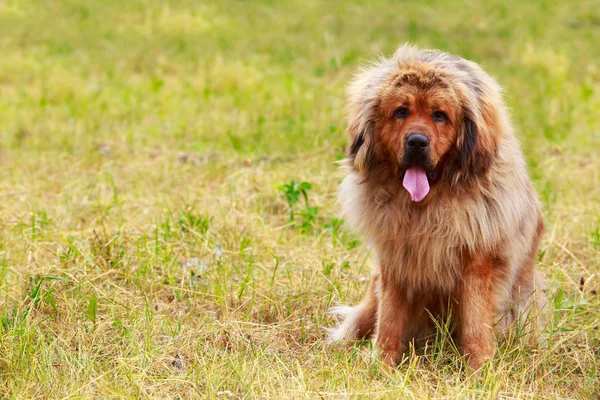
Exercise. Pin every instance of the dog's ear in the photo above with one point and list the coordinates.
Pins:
(473, 154)
(361, 151)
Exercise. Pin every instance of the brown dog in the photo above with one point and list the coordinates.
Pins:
(438, 184)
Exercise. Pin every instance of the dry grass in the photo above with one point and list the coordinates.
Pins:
(146, 247)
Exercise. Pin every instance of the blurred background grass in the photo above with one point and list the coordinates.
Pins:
(140, 137)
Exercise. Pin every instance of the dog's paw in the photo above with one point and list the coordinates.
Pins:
(385, 358)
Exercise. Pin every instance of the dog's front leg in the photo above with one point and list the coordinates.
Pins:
(476, 312)
(392, 317)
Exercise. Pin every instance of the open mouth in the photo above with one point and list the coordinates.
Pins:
(417, 180)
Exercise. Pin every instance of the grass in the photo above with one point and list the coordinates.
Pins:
(156, 236)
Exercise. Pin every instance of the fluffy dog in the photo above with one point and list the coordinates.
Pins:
(438, 185)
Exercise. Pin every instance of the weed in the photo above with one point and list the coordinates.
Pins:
(192, 222)
(292, 192)
(595, 238)
(334, 227)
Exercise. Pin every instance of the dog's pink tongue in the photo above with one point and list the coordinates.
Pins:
(415, 181)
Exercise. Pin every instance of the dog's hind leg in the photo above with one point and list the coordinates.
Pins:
(359, 321)
(526, 309)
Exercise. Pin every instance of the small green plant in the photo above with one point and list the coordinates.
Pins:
(38, 223)
(92, 309)
(334, 226)
(595, 238)
(292, 192)
(39, 294)
(327, 268)
(308, 217)
(190, 221)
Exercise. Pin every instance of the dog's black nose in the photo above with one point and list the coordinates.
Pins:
(417, 142)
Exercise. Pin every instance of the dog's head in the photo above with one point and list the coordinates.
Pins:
(426, 118)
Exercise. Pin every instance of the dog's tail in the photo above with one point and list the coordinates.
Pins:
(359, 321)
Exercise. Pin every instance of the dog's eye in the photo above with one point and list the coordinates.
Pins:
(439, 116)
(401, 113)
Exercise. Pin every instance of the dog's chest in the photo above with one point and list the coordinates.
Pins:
(423, 249)
(424, 261)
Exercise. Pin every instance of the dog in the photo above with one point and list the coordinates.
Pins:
(438, 185)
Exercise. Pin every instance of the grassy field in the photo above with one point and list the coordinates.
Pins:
(153, 243)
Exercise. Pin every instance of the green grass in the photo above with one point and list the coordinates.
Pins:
(148, 247)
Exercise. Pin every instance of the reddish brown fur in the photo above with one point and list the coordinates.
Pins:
(469, 247)
(476, 309)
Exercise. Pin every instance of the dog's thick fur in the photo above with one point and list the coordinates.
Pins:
(470, 245)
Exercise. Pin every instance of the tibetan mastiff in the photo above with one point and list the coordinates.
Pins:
(437, 184)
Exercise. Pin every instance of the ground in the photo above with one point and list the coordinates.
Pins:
(157, 239)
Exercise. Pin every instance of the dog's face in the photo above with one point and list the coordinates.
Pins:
(422, 124)
(420, 117)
